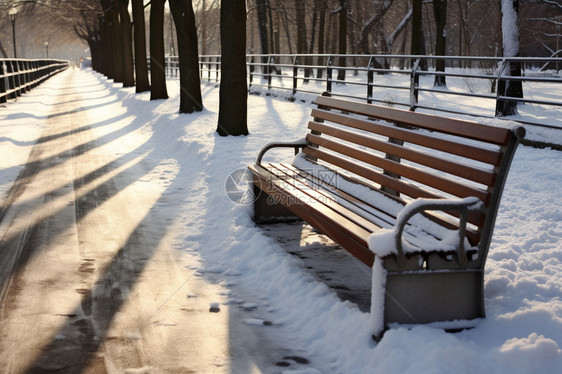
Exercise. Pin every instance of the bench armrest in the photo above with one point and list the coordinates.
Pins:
(297, 144)
(463, 206)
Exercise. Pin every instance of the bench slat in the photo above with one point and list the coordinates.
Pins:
(470, 130)
(474, 218)
(348, 234)
(379, 178)
(489, 156)
(302, 190)
(431, 180)
(438, 163)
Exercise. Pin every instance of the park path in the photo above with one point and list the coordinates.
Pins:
(88, 280)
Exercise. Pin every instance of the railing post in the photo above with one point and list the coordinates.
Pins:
(370, 79)
(268, 72)
(250, 71)
(17, 80)
(27, 76)
(414, 84)
(3, 97)
(34, 74)
(500, 87)
(329, 74)
(218, 61)
(295, 75)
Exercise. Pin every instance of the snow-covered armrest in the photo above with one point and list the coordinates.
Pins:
(297, 144)
(386, 242)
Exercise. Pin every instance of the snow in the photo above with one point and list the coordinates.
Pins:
(383, 242)
(217, 239)
(378, 287)
(510, 29)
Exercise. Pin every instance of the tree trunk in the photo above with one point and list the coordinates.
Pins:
(286, 28)
(440, 15)
(117, 41)
(107, 47)
(190, 81)
(510, 33)
(301, 34)
(141, 68)
(126, 35)
(342, 44)
(262, 27)
(157, 62)
(271, 28)
(418, 42)
(203, 26)
(321, 6)
(233, 95)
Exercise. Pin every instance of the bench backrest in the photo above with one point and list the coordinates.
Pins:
(410, 155)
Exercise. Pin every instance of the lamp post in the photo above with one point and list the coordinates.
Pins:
(47, 49)
(13, 12)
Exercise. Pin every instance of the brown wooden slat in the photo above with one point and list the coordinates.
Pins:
(475, 218)
(323, 198)
(377, 177)
(288, 188)
(432, 180)
(307, 185)
(351, 237)
(322, 185)
(438, 163)
(460, 149)
(467, 129)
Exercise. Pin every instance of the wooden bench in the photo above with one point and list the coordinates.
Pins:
(412, 195)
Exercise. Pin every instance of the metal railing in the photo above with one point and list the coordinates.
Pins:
(18, 76)
(403, 80)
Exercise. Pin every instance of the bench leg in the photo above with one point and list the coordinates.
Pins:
(267, 210)
(413, 298)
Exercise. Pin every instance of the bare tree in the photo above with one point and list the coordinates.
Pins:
(233, 94)
(127, 43)
(112, 16)
(510, 34)
(342, 37)
(440, 15)
(158, 88)
(141, 68)
(190, 84)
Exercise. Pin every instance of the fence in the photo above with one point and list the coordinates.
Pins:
(18, 76)
(408, 81)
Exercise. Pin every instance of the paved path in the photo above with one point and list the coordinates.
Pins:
(86, 283)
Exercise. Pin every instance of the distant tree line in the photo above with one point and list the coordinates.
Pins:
(118, 48)
(121, 33)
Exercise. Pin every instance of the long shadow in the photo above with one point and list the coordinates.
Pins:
(35, 165)
(104, 300)
(100, 303)
(16, 142)
(58, 114)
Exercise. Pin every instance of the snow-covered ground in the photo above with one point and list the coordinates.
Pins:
(217, 239)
